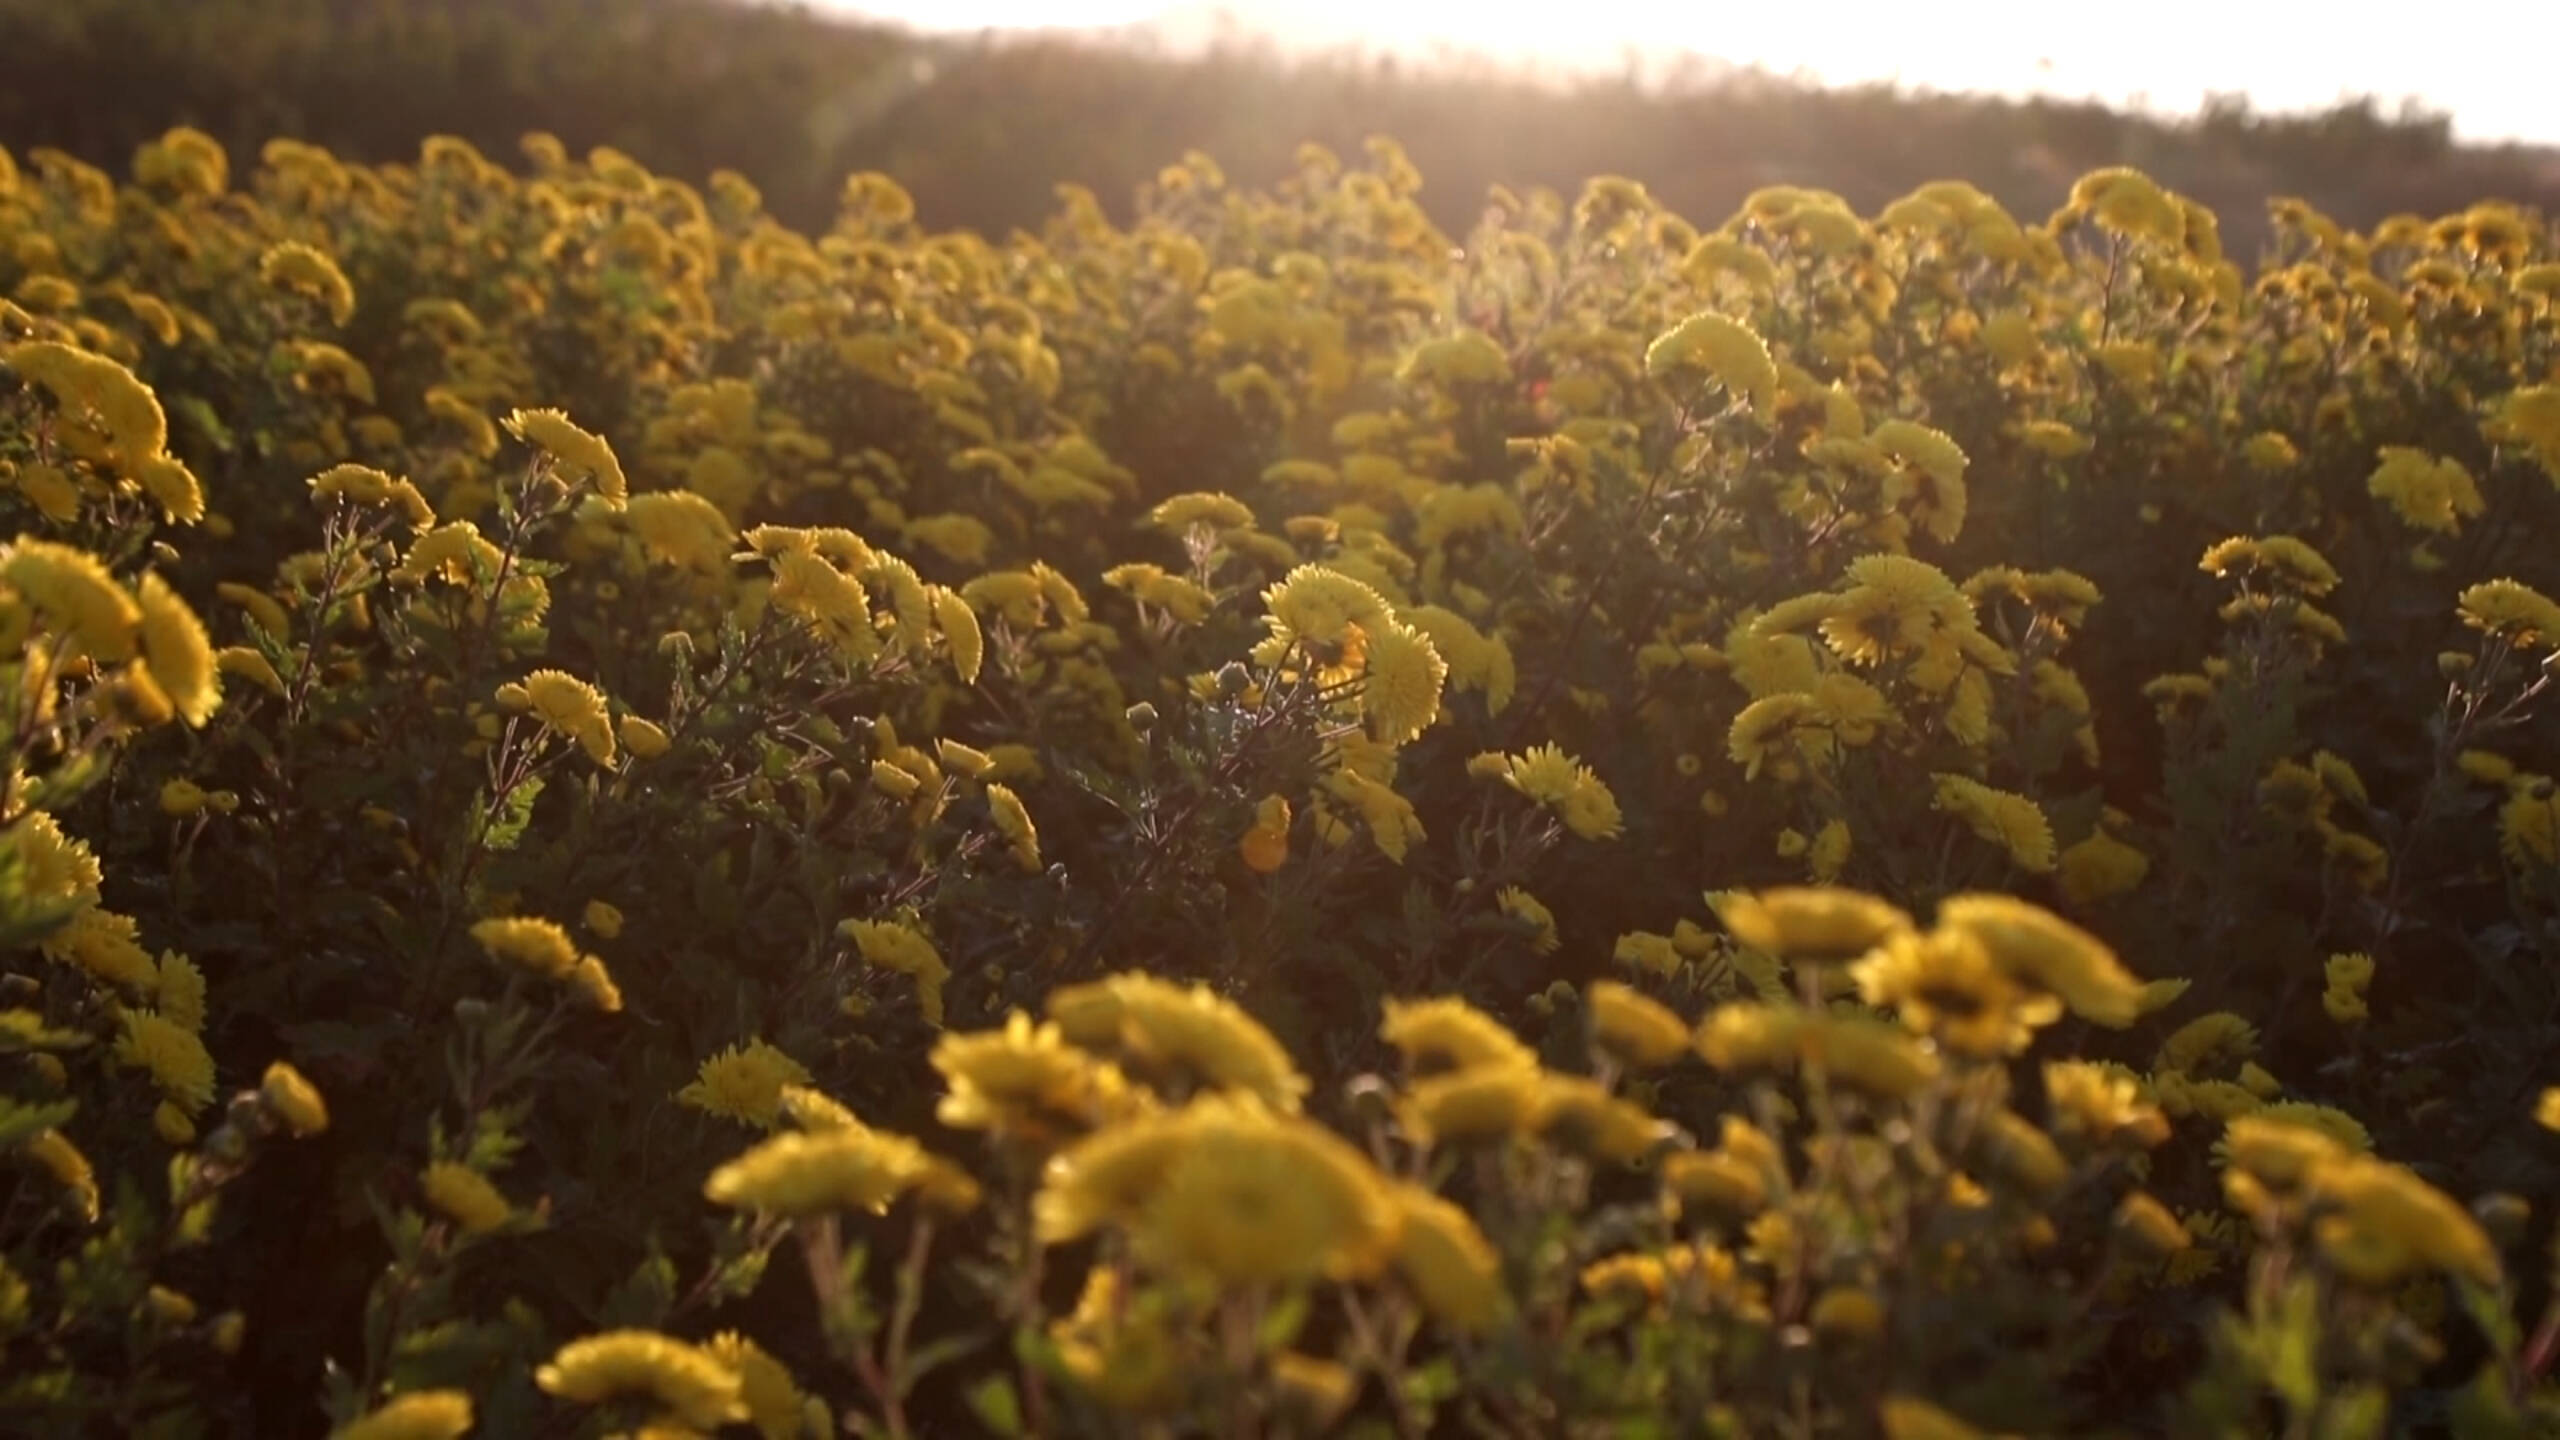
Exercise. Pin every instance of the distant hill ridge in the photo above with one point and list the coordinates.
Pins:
(981, 132)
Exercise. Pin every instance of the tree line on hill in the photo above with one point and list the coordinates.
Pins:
(981, 131)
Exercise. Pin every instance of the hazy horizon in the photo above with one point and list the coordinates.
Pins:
(2180, 53)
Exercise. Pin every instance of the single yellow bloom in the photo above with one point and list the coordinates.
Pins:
(465, 1196)
(418, 1415)
(293, 1099)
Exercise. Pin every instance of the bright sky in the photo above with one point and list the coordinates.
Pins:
(2487, 62)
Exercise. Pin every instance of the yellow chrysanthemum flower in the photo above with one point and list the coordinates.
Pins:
(177, 1061)
(775, 1406)
(1446, 1034)
(1520, 905)
(745, 1083)
(693, 1385)
(1441, 1254)
(465, 1196)
(1811, 923)
(2512, 610)
(1635, 1027)
(538, 945)
(75, 596)
(2050, 953)
(580, 455)
(815, 1172)
(2013, 821)
(1403, 674)
(1013, 822)
(178, 652)
(571, 707)
(683, 529)
(178, 992)
(293, 1099)
(61, 1159)
(892, 946)
(418, 1415)
(299, 269)
(1723, 349)
(1190, 1031)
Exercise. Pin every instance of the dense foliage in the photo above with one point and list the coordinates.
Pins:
(979, 132)
(1922, 824)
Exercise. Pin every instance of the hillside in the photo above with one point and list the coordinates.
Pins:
(981, 132)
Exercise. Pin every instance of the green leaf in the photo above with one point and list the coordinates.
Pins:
(2290, 1345)
(996, 1406)
(19, 1121)
(1282, 1322)
(2482, 1410)
(2357, 1414)
(643, 1299)
(513, 816)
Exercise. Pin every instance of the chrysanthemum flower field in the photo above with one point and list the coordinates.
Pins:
(1269, 821)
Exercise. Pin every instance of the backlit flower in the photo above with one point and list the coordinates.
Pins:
(696, 1389)
(744, 1082)
(465, 1196)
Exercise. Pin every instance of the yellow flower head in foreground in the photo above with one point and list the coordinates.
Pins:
(293, 1099)
(418, 1415)
(2378, 1223)
(1520, 905)
(176, 1059)
(172, 486)
(2428, 492)
(1724, 350)
(2101, 1103)
(1633, 1026)
(696, 1389)
(572, 707)
(2101, 868)
(958, 625)
(70, 1169)
(455, 552)
(95, 390)
(1013, 822)
(1871, 1056)
(2012, 821)
(1393, 825)
(1438, 1036)
(1404, 675)
(178, 652)
(888, 945)
(2042, 949)
(301, 270)
(2513, 611)
(1579, 1113)
(1946, 985)
(1810, 922)
(1445, 1259)
(540, 946)
(1253, 1196)
(465, 1196)
(580, 456)
(75, 596)
(1315, 606)
(680, 528)
(775, 1406)
(1214, 509)
(1026, 1080)
(1187, 1031)
(744, 1082)
(815, 1172)
(1559, 782)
